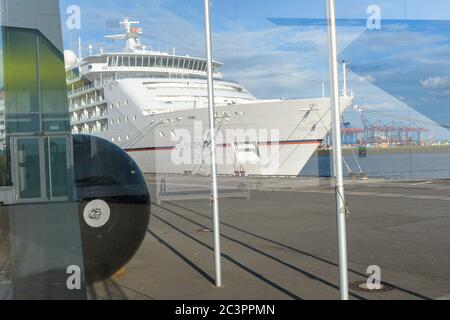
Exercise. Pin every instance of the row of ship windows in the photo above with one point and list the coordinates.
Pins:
(127, 138)
(89, 130)
(119, 139)
(119, 120)
(163, 62)
(118, 104)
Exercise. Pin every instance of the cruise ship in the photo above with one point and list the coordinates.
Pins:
(154, 105)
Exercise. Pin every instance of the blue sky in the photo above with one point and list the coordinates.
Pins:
(396, 71)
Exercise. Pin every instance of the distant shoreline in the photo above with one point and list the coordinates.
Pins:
(391, 150)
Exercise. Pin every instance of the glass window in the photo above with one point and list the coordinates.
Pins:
(53, 89)
(28, 166)
(57, 168)
(20, 70)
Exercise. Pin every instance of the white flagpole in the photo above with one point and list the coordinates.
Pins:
(337, 145)
(215, 191)
(344, 79)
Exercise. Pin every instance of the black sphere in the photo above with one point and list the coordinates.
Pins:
(114, 205)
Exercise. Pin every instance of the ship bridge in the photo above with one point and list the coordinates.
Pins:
(159, 62)
(137, 62)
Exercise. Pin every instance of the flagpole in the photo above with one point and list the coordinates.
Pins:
(337, 152)
(215, 191)
(344, 79)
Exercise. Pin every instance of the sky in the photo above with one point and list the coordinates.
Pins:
(278, 48)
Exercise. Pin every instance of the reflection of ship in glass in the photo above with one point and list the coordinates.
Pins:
(147, 101)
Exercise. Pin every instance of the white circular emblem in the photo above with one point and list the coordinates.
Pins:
(97, 213)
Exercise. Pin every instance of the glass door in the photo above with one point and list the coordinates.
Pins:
(28, 169)
(41, 168)
(57, 167)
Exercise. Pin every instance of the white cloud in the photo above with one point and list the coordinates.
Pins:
(436, 83)
(367, 78)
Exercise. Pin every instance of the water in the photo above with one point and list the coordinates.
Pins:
(390, 165)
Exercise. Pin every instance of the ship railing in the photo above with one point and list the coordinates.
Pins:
(89, 87)
(86, 106)
(73, 80)
(85, 120)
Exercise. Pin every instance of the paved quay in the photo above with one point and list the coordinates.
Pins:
(279, 240)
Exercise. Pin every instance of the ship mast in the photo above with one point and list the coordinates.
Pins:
(131, 36)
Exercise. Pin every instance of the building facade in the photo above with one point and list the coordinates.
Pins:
(39, 226)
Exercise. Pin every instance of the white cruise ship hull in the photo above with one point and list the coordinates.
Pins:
(261, 138)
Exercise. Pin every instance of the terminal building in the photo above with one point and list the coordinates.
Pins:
(39, 226)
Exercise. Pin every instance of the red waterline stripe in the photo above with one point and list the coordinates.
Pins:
(151, 149)
(295, 142)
